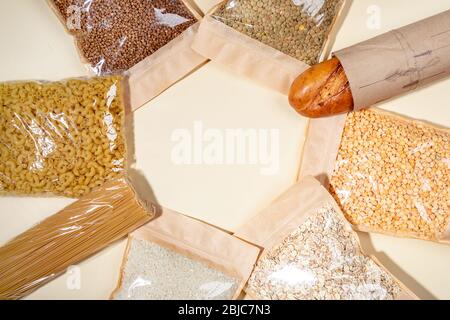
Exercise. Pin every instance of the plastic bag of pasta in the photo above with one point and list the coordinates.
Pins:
(175, 257)
(150, 39)
(270, 41)
(62, 138)
(311, 253)
(389, 174)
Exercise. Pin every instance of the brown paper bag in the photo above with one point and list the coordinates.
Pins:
(311, 252)
(177, 257)
(398, 61)
(389, 174)
(254, 59)
(151, 75)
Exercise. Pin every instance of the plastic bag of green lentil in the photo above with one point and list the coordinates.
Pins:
(150, 40)
(269, 41)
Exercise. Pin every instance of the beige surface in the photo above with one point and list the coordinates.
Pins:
(34, 46)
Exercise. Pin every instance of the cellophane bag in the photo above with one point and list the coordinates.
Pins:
(389, 174)
(310, 252)
(270, 41)
(149, 39)
(80, 230)
(175, 257)
(62, 138)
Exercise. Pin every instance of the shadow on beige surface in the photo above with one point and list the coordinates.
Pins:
(398, 272)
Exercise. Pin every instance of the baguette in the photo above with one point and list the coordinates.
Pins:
(322, 90)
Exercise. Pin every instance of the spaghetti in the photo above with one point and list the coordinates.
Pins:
(43, 252)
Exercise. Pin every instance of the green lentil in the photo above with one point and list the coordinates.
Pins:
(298, 28)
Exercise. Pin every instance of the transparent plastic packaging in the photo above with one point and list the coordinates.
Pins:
(115, 35)
(289, 35)
(178, 258)
(392, 175)
(297, 28)
(45, 251)
(311, 253)
(148, 39)
(62, 138)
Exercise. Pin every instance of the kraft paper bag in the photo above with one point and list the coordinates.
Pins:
(254, 59)
(399, 61)
(321, 159)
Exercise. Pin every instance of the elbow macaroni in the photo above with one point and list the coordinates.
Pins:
(56, 137)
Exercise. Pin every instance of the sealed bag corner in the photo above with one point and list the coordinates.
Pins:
(310, 252)
(270, 41)
(175, 257)
(399, 61)
(388, 173)
(149, 40)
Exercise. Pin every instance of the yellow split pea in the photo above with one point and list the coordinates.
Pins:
(392, 175)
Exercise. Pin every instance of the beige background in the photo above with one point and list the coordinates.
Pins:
(35, 46)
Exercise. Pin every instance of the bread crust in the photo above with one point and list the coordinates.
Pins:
(322, 90)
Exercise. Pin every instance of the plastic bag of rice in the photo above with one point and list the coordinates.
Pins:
(311, 253)
(179, 258)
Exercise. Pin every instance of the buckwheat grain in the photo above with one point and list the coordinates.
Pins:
(63, 138)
